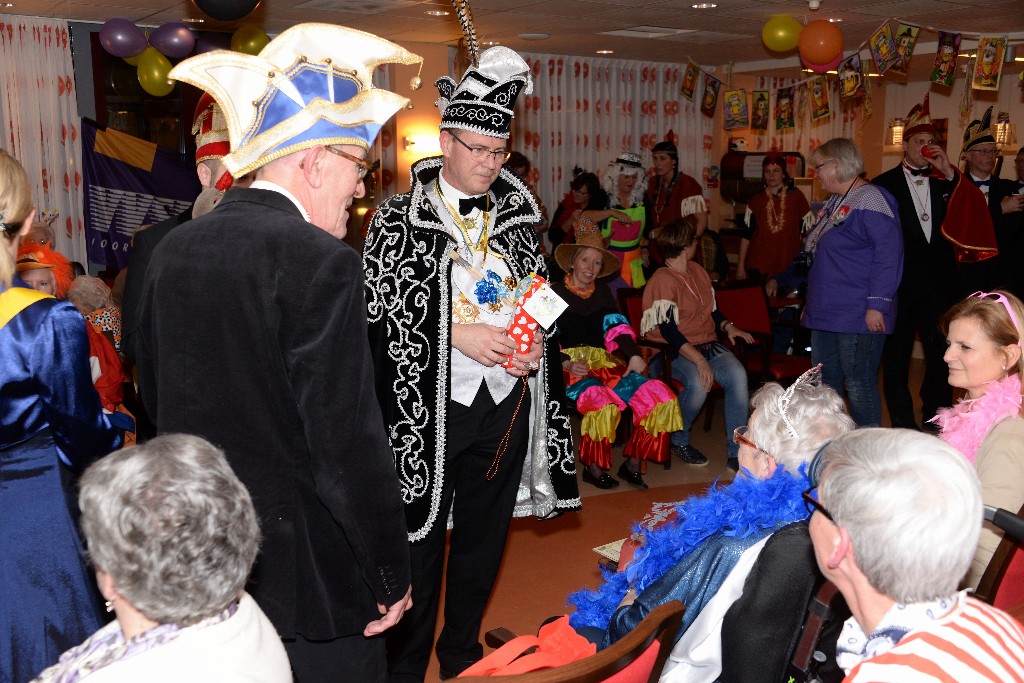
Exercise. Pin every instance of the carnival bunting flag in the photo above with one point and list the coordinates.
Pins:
(944, 68)
(759, 118)
(784, 112)
(906, 39)
(709, 98)
(689, 80)
(851, 78)
(883, 48)
(819, 99)
(128, 183)
(989, 63)
(736, 114)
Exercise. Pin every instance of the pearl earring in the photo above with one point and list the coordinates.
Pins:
(108, 605)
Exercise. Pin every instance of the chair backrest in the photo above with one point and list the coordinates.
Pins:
(631, 305)
(745, 304)
(995, 572)
(637, 657)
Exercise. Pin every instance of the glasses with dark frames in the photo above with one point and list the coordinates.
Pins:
(812, 504)
(364, 166)
(480, 153)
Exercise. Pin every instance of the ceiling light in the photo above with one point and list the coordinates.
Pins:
(835, 20)
(437, 13)
(490, 43)
(190, 20)
(606, 52)
(704, 5)
(534, 36)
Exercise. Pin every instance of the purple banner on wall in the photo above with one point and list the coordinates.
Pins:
(128, 183)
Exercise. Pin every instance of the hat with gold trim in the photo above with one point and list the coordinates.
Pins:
(482, 102)
(919, 120)
(311, 85)
(979, 131)
(210, 129)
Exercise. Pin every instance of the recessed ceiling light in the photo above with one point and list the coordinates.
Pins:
(835, 20)
(534, 36)
(437, 13)
(190, 20)
(490, 43)
(606, 52)
(704, 5)
(5, 5)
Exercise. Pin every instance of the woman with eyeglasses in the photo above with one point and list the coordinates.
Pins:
(854, 261)
(983, 334)
(704, 555)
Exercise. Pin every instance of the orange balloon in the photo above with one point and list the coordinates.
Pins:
(820, 42)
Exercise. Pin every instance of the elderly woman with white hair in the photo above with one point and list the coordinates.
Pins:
(894, 526)
(625, 219)
(704, 554)
(173, 535)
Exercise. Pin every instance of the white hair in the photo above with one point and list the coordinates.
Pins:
(816, 412)
(912, 506)
(611, 179)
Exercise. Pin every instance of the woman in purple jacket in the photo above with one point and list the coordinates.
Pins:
(855, 257)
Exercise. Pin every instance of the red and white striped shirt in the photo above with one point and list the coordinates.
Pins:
(974, 642)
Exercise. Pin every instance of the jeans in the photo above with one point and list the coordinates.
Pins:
(852, 359)
(729, 373)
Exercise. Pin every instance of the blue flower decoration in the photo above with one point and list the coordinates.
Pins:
(490, 290)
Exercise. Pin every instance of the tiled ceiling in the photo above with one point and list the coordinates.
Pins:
(731, 32)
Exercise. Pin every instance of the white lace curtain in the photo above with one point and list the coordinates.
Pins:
(39, 121)
(585, 111)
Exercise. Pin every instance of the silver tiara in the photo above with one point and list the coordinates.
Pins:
(812, 377)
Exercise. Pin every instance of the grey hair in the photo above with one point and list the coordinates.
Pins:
(89, 293)
(850, 163)
(173, 526)
(912, 506)
(611, 179)
(816, 412)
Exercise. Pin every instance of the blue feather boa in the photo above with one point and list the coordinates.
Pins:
(744, 507)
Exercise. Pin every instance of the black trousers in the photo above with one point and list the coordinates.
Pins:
(917, 314)
(480, 490)
(352, 658)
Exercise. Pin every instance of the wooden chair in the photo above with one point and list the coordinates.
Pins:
(808, 656)
(639, 656)
(1007, 553)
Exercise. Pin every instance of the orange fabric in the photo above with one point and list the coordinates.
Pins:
(557, 643)
(595, 452)
(639, 670)
(110, 384)
(646, 447)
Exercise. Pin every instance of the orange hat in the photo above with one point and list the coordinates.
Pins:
(34, 256)
(919, 120)
(211, 130)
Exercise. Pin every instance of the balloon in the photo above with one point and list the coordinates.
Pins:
(250, 39)
(153, 70)
(208, 42)
(173, 40)
(133, 61)
(226, 10)
(823, 68)
(780, 34)
(820, 42)
(122, 38)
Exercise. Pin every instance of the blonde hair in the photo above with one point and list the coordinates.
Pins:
(15, 207)
(995, 322)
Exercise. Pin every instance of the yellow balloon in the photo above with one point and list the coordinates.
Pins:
(134, 61)
(781, 34)
(153, 69)
(250, 39)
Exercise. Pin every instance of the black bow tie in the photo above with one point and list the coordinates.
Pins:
(467, 205)
(981, 183)
(919, 171)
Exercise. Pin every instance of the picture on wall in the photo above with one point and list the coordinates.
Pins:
(944, 69)
(689, 80)
(709, 99)
(883, 48)
(759, 119)
(819, 99)
(784, 112)
(851, 78)
(736, 113)
(989, 63)
(906, 39)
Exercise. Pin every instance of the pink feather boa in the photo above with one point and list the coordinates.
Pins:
(965, 425)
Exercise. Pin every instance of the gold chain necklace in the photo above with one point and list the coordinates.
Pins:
(775, 221)
(921, 204)
(465, 224)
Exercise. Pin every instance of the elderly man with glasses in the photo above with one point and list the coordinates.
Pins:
(895, 520)
(465, 410)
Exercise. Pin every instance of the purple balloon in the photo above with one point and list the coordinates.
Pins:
(209, 41)
(173, 40)
(122, 38)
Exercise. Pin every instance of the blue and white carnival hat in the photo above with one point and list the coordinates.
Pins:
(483, 100)
(311, 85)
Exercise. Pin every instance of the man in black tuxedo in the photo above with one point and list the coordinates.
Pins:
(253, 335)
(921, 185)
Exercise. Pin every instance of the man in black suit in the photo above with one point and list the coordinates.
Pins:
(1005, 205)
(921, 185)
(253, 335)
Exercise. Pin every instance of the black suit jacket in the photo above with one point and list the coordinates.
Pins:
(252, 333)
(143, 245)
(929, 268)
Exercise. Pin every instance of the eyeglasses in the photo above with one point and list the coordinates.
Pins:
(817, 167)
(364, 167)
(500, 156)
(994, 296)
(740, 438)
(812, 505)
(985, 152)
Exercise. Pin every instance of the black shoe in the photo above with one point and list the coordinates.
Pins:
(634, 478)
(690, 455)
(446, 673)
(605, 481)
